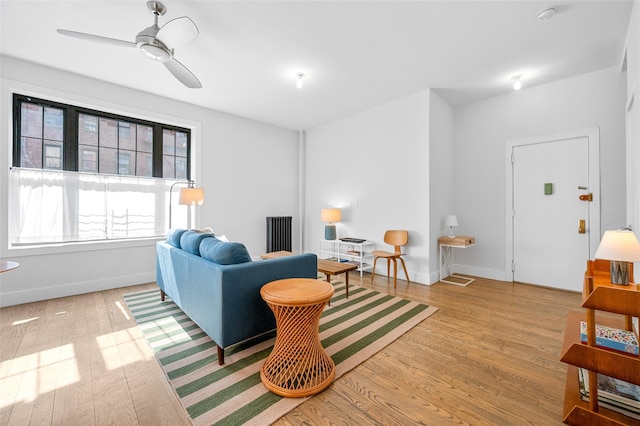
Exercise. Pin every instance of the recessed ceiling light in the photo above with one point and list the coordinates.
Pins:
(517, 84)
(299, 77)
(546, 14)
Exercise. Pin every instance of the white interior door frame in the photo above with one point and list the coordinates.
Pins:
(593, 135)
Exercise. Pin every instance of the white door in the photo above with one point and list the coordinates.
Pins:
(550, 246)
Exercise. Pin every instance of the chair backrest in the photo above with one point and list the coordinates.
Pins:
(396, 238)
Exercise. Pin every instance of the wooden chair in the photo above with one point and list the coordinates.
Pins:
(397, 239)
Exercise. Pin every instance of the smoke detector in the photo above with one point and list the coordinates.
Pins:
(546, 14)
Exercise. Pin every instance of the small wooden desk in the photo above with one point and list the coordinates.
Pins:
(447, 244)
(329, 267)
(298, 365)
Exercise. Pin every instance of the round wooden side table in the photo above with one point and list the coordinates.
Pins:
(7, 265)
(298, 365)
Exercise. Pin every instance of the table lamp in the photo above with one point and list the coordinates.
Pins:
(451, 221)
(329, 216)
(620, 247)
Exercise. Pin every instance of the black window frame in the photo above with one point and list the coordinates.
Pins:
(71, 133)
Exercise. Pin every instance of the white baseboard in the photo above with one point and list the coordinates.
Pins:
(53, 292)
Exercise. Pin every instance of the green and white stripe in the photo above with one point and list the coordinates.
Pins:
(351, 330)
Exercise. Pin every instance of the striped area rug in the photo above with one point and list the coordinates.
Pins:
(351, 330)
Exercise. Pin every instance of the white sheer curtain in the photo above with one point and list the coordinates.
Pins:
(48, 206)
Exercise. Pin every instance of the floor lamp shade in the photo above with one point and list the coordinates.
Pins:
(329, 216)
(620, 247)
(191, 196)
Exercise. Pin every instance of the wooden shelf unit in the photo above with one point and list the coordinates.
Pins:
(599, 295)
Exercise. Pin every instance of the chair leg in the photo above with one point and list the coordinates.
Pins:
(388, 265)
(373, 271)
(162, 294)
(395, 272)
(405, 270)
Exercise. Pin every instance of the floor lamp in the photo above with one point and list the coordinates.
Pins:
(189, 196)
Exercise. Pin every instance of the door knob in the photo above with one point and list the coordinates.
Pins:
(582, 226)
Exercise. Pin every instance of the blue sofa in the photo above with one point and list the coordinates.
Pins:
(218, 285)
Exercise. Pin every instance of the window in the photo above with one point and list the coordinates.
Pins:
(80, 174)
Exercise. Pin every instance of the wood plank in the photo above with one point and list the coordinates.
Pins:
(490, 355)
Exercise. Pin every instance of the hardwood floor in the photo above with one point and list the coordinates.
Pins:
(490, 355)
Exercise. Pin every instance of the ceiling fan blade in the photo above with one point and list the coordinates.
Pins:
(177, 32)
(96, 38)
(181, 72)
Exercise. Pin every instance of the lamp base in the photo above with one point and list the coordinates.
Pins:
(330, 232)
(619, 272)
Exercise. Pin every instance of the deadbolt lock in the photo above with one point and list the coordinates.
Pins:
(582, 226)
(587, 197)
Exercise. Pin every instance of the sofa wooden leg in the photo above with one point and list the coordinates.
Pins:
(162, 296)
(220, 355)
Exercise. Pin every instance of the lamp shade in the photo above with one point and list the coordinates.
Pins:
(330, 215)
(451, 220)
(191, 196)
(619, 245)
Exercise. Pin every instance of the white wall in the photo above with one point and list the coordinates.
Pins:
(374, 166)
(633, 124)
(249, 170)
(441, 170)
(481, 129)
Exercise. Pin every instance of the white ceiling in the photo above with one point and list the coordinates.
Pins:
(356, 54)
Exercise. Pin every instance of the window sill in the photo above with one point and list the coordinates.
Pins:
(81, 246)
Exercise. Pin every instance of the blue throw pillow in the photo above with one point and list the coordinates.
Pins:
(224, 253)
(173, 236)
(190, 241)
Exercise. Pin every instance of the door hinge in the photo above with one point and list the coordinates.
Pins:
(513, 157)
(513, 266)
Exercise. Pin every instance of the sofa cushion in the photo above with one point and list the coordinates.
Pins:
(224, 253)
(190, 241)
(173, 236)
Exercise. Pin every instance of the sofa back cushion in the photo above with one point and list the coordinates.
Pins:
(174, 235)
(224, 253)
(190, 241)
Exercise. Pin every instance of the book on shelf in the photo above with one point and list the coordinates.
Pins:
(612, 338)
(614, 394)
(354, 252)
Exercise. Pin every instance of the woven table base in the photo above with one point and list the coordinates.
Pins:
(298, 365)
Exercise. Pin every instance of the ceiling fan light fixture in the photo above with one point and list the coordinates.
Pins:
(155, 52)
(546, 14)
(517, 84)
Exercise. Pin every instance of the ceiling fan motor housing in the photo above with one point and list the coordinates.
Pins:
(151, 47)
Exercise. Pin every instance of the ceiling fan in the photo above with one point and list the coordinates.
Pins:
(156, 42)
